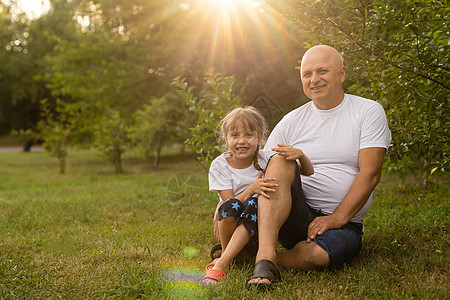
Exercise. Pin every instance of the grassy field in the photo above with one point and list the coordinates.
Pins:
(92, 234)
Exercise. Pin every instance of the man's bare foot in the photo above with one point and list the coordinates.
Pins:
(265, 274)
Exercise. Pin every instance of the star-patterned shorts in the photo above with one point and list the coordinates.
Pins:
(245, 212)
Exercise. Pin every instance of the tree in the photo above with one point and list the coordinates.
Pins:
(112, 61)
(24, 43)
(208, 107)
(15, 80)
(55, 128)
(397, 53)
(161, 122)
(119, 53)
(111, 138)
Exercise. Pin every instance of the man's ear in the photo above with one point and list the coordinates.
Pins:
(343, 71)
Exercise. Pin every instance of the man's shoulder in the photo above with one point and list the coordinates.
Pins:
(364, 107)
(361, 101)
(299, 110)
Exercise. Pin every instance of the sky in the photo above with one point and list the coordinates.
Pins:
(33, 8)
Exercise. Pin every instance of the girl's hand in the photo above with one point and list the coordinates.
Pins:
(289, 152)
(263, 185)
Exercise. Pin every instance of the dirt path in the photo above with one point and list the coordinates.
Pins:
(19, 148)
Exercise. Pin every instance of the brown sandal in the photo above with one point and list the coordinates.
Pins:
(214, 250)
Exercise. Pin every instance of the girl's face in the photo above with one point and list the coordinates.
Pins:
(242, 143)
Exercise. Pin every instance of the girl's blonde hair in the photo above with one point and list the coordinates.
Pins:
(251, 119)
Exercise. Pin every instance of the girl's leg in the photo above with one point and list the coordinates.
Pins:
(241, 235)
(227, 227)
(238, 240)
(229, 216)
(237, 237)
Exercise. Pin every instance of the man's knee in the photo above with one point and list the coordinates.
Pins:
(308, 256)
(280, 167)
(278, 160)
(316, 257)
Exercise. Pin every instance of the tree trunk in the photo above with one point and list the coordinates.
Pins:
(62, 164)
(158, 149)
(426, 169)
(182, 148)
(118, 161)
(61, 155)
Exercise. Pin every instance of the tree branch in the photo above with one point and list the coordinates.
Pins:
(379, 58)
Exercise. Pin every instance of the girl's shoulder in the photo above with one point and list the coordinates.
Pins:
(219, 162)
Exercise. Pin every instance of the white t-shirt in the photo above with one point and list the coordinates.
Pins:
(224, 177)
(331, 139)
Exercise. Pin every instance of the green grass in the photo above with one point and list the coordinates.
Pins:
(92, 234)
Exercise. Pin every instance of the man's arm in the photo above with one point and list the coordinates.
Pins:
(370, 164)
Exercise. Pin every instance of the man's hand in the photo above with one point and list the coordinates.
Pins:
(321, 224)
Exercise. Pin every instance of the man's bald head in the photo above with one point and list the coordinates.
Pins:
(335, 56)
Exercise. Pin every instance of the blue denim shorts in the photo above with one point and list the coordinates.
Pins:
(342, 245)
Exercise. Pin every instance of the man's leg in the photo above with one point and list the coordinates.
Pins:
(304, 256)
(273, 212)
(332, 249)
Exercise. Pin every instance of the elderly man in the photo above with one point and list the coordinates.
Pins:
(319, 219)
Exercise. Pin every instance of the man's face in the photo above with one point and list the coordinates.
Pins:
(322, 76)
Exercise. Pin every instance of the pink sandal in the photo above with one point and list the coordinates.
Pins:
(212, 277)
(211, 264)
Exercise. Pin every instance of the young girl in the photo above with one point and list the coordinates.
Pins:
(237, 176)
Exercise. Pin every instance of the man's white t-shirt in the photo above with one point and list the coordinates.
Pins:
(331, 139)
(224, 177)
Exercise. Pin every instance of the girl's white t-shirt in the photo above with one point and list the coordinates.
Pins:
(224, 177)
(332, 139)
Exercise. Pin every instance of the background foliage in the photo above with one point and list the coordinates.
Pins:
(98, 56)
(210, 106)
(160, 123)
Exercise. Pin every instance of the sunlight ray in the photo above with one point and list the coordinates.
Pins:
(235, 21)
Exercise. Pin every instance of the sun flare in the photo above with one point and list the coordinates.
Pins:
(223, 2)
(221, 5)
(232, 26)
(32, 8)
